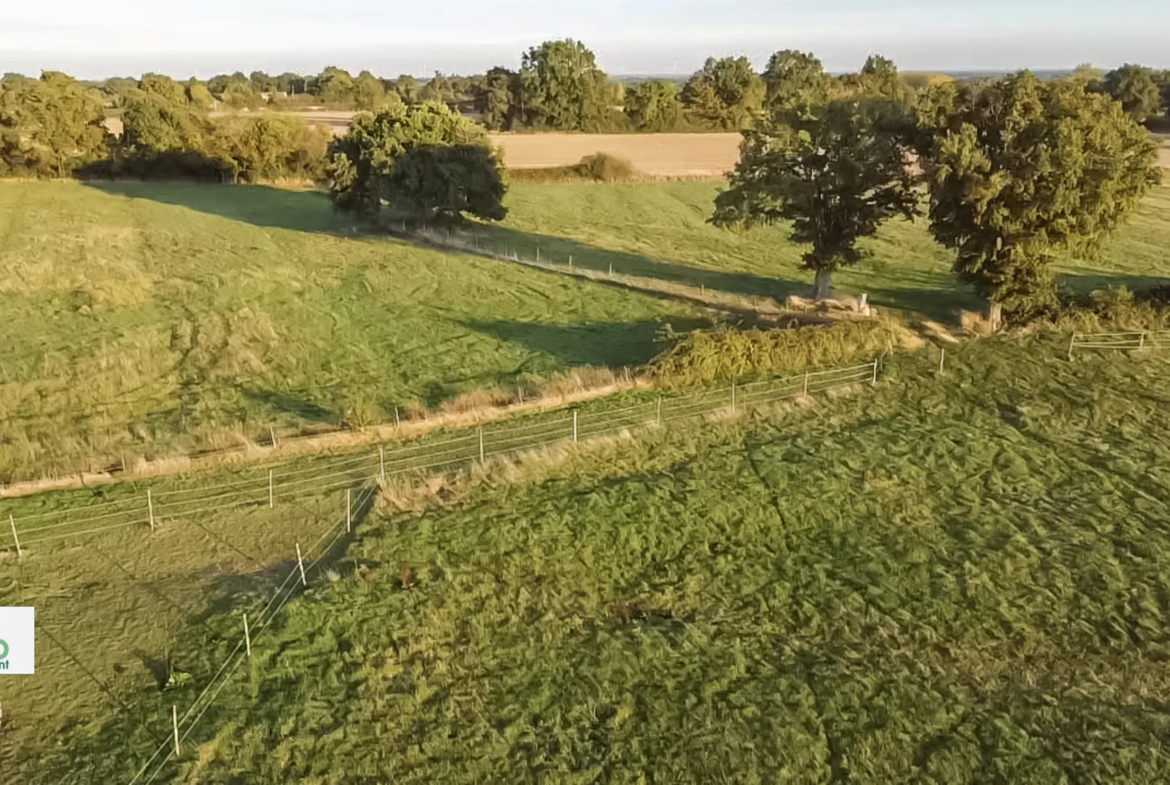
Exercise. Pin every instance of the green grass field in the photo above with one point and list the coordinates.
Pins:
(157, 319)
(947, 578)
(956, 578)
(145, 320)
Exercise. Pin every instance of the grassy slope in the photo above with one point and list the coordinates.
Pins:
(660, 229)
(147, 318)
(955, 579)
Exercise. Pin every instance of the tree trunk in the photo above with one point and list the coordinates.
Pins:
(823, 288)
(995, 314)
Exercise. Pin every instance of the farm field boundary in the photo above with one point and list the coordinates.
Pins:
(465, 449)
(285, 481)
(1125, 341)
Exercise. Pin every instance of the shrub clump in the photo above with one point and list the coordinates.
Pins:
(605, 168)
(725, 353)
(1116, 309)
(598, 168)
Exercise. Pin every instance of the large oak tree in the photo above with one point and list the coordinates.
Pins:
(836, 172)
(423, 160)
(1022, 170)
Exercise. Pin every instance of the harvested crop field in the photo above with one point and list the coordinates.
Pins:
(658, 155)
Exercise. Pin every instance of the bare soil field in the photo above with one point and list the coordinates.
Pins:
(657, 155)
(660, 155)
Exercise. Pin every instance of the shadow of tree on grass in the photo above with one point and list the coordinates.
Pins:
(934, 294)
(608, 344)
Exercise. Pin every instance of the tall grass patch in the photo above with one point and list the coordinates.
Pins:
(723, 354)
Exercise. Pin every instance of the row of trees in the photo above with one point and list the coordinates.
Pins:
(56, 126)
(559, 86)
(1018, 171)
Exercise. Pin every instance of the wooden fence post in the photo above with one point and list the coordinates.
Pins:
(270, 504)
(175, 723)
(481, 444)
(247, 636)
(15, 539)
(875, 367)
(574, 426)
(660, 410)
(348, 511)
(150, 508)
(301, 565)
(382, 464)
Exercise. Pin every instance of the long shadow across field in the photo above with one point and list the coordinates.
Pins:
(599, 344)
(259, 205)
(935, 295)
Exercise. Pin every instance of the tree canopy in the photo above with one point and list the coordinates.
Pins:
(836, 171)
(795, 81)
(50, 126)
(1021, 170)
(654, 106)
(152, 124)
(1138, 90)
(496, 98)
(725, 94)
(423, 160)
(560, 86)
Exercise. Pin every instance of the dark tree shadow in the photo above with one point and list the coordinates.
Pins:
(1080, 283)
(939, 297)
(610, 344)
(258, 205)
(300, 407)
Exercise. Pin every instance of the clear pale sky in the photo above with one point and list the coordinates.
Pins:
(92, 39)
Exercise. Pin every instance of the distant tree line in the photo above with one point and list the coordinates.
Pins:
(56, 126)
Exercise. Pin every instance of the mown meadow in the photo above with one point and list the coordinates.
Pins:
(951, 577)
(145, 320)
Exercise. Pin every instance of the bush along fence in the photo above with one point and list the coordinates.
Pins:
(1151, 340)
(269, 486)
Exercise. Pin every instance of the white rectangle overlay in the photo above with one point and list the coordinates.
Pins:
(17, 644)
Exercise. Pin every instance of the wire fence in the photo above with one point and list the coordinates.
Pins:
(269, 485)
(478, 446)
(364, 472)
(308, 565)
(1129, 341)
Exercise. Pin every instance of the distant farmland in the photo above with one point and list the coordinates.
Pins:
(660, 155)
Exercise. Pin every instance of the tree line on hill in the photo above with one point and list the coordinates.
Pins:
(559, 86)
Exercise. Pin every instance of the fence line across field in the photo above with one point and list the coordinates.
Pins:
(1152, 340)
(648, 414)
(297, 578)
(280, 482)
